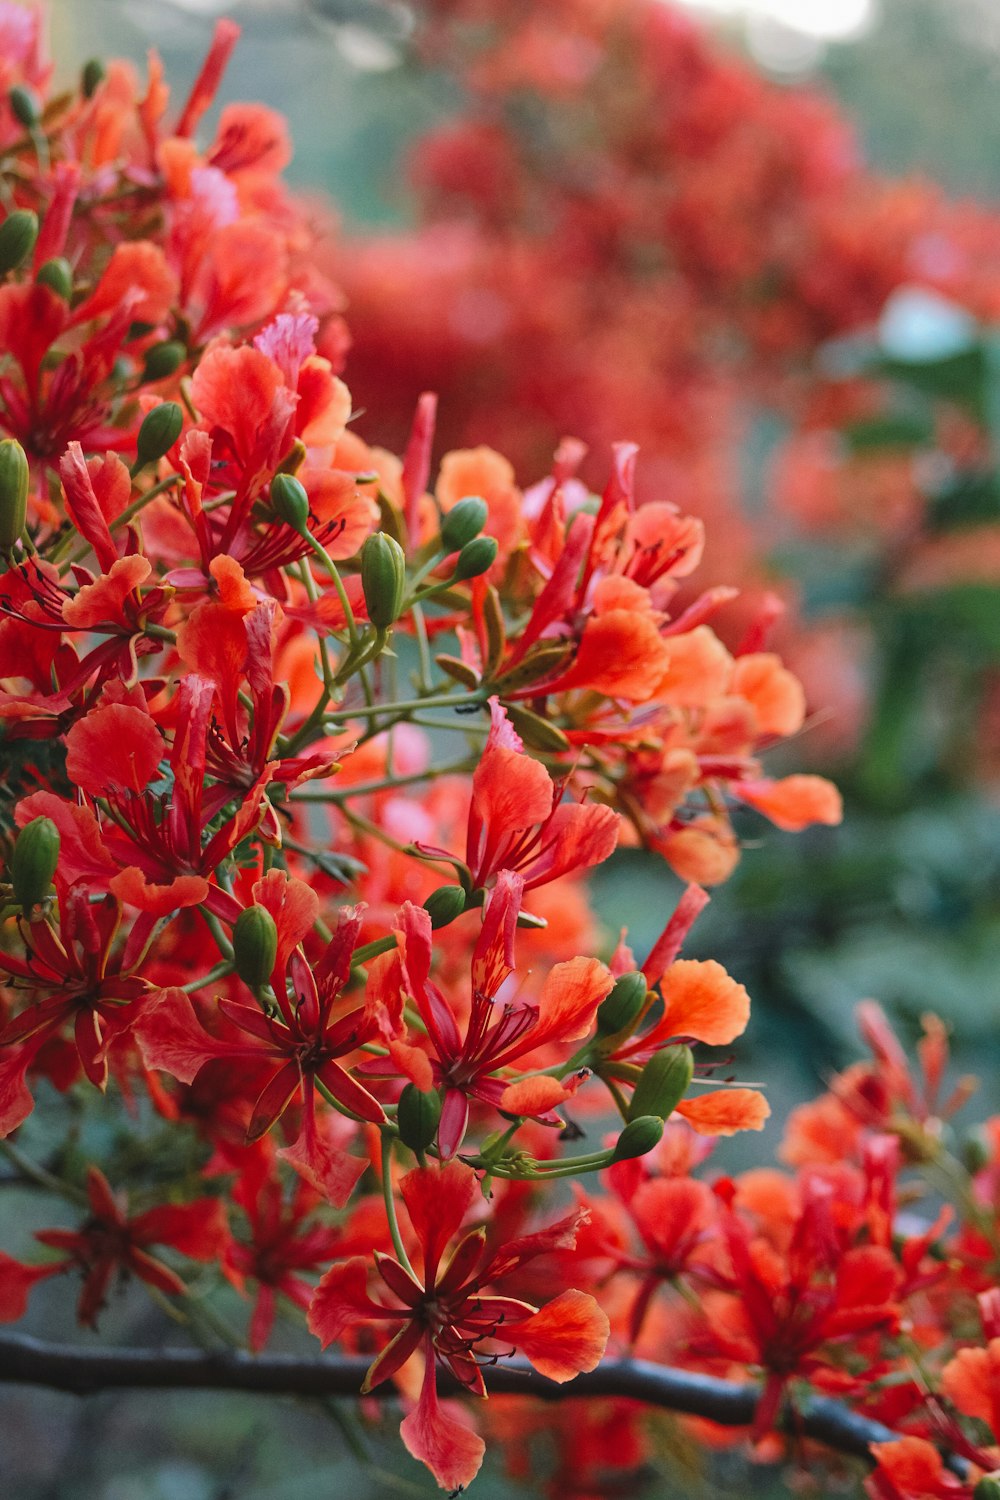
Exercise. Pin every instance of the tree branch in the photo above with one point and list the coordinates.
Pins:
(81, 1372)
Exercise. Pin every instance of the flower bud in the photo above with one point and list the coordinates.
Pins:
(57, 274)
(623, 1006)
(639, 1136)
(974, 1153)
(159, 432)
(987, 1488)
(163, 359)
(383, 578)
(663, 1083)
(290, 502)
(15, 477)
(33, 865)
(24, 105)
(463, 522)
(475, 558)
(536, 732)
(417, 1117)
(255, 946)
(445, 904)
(18, 234)
(92, 77)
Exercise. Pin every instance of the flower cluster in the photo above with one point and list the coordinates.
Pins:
(249, 894)
(625, 229)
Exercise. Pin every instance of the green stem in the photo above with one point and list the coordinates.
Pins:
(390, 1205)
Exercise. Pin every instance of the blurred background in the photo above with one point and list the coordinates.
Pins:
(762, 239)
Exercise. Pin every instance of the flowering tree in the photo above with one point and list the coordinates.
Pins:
(352, 973)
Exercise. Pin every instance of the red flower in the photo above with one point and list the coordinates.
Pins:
(445, 1314)
(111, 1242)
(299, 1042)
(466, 1063)
(78, 980)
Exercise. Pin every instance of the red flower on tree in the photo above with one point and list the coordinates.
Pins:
(445, 1314)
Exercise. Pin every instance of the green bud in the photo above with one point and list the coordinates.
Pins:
(536, 732)
(974, 1154)
(463, 522)
(623, 1006)
(417, 1117)
(639, 1136)
(57, 274)
(475, 557)
(163, 359)
(18, 234)
(445, 904)
(987, 1488)
(24, 105)
(92, 77)
(383, 578)
(36, 855)
(663, 1083)
(255, 946)
(15, 477)
(159, 432)
(290, 502)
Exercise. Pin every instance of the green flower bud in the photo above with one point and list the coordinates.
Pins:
(24, 105)
(383, 578)
(475, 557)
(987, 1488)
(36, 855)
(255, 946)
(622, 1007)
(18, 234)
(163, 359)
(463, 522)
(974, 1153)
(445, 904)
(15, 477)
(290, 502)
(57, 274)
(663, 1083)
(639, 1136)
(535, 731)
(417, 1117)
(159, 432)
(92, 77)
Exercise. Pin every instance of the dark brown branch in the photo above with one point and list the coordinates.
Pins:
(81, 1372)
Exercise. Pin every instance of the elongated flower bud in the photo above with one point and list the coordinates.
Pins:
(639, 1136)
(36, 855)
(255, 946)
(663, 1083)
(476, 557)
(159, 432)
(163, 359)
(18, 234)
(92, 77)
(463, 522)
(57, 273)
(623, 1005)
(24, 105)
(445, 904)
(417, 1117)
(383, 578)
(15, 477)
(290, 501)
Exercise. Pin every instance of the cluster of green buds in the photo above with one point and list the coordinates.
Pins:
(461, 532)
